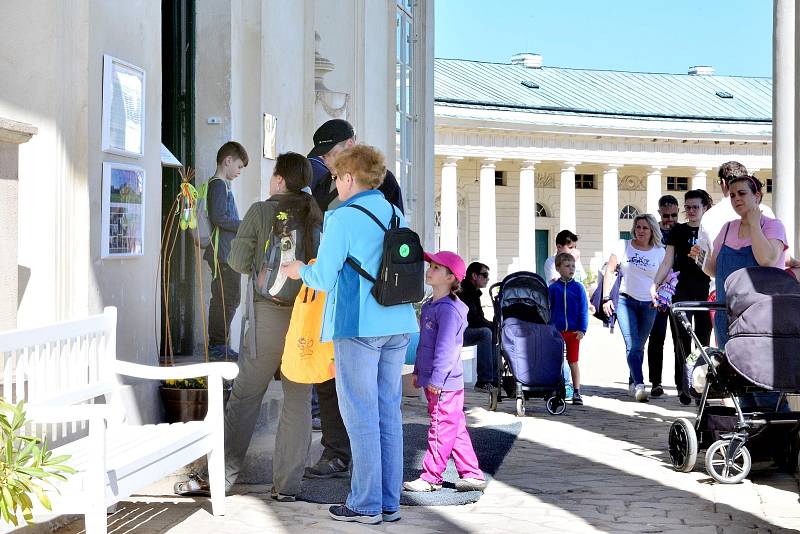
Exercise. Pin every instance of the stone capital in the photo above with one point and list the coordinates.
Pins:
(451, 161)
(701, 170)
(529, 164)
(489, 163)
(612, 168)
(656, 169)
(569, 166)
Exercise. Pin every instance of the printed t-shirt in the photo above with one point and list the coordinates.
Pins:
(773, 229)
(692, 281)
(638, 268)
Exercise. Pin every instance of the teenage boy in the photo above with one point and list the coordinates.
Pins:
(224, 219)
(566, 241)
(569, 313)
(480, 331)
(668, 214)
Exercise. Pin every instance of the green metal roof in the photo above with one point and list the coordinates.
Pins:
(601, 92)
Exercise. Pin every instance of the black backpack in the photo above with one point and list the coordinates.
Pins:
(401, 278)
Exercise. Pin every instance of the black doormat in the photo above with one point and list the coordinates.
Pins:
(491, 443)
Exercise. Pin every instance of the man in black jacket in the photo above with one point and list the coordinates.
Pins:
(479, 329)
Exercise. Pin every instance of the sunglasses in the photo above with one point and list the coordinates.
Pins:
(484, 274)
(670, 216)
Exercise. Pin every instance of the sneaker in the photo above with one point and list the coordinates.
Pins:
(577, 400)
(656, 390)
(218, 353)
(470, 484)
(421, 485)
(193, 486)
(632, 390)
(685, 399)
(316, 424)
(280, 497)
(485, 387)
(341, 512)
(640, 393)
(391, 517)
(327, 468)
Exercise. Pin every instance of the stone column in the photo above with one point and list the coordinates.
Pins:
(610, 209)
(653, 189)
(448, 239)
(783, 114)
(700, 179)
(567, 199)
(487, 248)
(527, 217)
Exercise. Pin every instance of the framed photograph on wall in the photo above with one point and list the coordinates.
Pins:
(122, 225)
(123, 108)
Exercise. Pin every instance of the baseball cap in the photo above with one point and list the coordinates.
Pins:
(451, 260)
(330, 134)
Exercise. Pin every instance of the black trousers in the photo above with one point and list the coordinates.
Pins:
(655, 347)
(701, 324)
(226, 287)
(335, 440)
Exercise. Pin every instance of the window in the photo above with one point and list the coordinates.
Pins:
(541, 211)
(628, 212)
(500, 178)
(625, 235)
(584, 181)
(769, 185)
(405, 116)
(677, 183)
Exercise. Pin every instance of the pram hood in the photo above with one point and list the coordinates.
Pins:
(764, 344)
(524, 290)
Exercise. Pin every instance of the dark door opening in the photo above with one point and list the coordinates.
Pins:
(177, 134)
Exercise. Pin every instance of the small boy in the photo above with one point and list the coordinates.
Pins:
(224, 219)
(569, 312)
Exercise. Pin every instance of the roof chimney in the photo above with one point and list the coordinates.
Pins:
(701, 70)
(529, 60)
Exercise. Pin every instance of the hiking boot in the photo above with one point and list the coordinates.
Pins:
(218, 353)
(341, 512)
(685, 399)
(471, 484)
(656, 390)
(577, 400)
(640, 393)
(391, 517)
(281, 497)
(421, 485)
(327, 468)
(485, 387)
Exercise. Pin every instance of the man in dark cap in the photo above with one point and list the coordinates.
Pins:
(329, 140)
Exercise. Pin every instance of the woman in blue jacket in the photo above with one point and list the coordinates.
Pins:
(369, 339)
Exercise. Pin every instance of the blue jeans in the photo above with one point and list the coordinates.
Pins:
(635, 320)
(369, 385)
(487, 360)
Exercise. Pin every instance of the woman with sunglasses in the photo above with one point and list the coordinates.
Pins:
(693, 283)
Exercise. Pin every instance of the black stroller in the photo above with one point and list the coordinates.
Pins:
(530, 351)
(743, 407)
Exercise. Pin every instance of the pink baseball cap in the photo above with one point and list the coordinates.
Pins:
(451, 260)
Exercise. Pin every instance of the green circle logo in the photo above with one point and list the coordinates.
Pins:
(404, 251)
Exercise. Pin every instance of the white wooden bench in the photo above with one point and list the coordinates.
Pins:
(68, 374)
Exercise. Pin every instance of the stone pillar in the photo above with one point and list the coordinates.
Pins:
(700, 179)
(448, 238)
(610, 209)
(487, 248)
(653, 189)
(567, 199)
(783, 114)
(527, 217)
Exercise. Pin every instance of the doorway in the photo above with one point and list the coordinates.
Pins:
(542, 239)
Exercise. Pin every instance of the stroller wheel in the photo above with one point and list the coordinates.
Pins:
(520, 407)
(494, 396)
(556, 405)
(727, 470)
(682, 445)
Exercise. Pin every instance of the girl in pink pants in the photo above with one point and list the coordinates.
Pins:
(438, 369)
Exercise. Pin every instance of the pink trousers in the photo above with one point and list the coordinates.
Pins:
(448, 436)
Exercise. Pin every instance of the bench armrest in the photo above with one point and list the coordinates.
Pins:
(50, 413)
(227, 370)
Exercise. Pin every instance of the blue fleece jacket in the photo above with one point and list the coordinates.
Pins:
(350, 309)
(569, 307)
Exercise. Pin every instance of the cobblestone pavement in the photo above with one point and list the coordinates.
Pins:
(602, 467)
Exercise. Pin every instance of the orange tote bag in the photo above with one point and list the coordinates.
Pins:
(305, 359)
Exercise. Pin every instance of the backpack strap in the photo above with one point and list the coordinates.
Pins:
(394, 223)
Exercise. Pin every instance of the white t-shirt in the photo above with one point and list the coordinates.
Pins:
(551, 274)
(638, 268)
(715, 218)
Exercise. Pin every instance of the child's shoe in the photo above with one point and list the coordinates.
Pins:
(577, 400)
(421, 485)
(470, 484)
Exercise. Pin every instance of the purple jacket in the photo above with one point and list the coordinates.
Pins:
(441, 336)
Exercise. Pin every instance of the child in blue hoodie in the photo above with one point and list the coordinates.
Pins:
(569, 312)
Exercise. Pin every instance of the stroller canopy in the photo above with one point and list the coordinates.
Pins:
(764, 345)
(524, 295)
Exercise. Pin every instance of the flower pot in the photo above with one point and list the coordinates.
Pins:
(183, 404)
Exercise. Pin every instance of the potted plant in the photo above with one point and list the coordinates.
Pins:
(25, 466)
(183, 399)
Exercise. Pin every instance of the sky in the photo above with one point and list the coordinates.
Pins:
(733, 36)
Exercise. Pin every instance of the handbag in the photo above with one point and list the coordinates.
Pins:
(597, 300)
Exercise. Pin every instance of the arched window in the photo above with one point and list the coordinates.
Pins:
(628, 212)
(541, 211)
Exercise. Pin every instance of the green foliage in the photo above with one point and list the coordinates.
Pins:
(187, 383)
(25, 466)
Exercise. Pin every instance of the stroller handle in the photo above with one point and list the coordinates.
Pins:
(697, 305)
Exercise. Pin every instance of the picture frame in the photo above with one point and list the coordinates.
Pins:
(123, 119)
(270, 150)
(123, 211)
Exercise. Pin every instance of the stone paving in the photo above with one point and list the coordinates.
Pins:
(602, 467)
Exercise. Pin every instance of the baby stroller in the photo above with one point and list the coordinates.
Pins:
(743, 407)
(530, 351)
